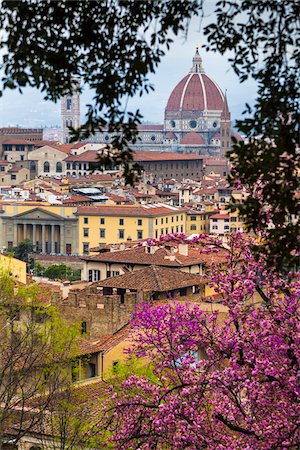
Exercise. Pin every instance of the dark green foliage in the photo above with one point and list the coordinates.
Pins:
(264, 38)
(112, 45)
(57, 272)
(23, 250)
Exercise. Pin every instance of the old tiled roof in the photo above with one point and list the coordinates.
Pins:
(143, 156)
(17, 141)
(152, 278)
(106, 343)
(220, 216)
(215, 161)
(161, 257)
(88, 156)
(118, 198)
(65, 148)
(99, 177)
(73, 199)
(128, 211)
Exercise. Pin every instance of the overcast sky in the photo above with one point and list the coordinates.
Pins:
(30, 109)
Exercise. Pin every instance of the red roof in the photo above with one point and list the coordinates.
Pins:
(196, 92)
(192, 138)
(88, 156)
(141, 156)
(65, 148)
(219, 216)
(152, 278)
(170, 135)
(128, 211)
(17, 141)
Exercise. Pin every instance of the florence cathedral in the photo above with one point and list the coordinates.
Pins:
(197, 118)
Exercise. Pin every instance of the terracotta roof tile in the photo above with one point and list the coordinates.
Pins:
(160, 257)
(152, 278)
(128, 211)
(106, 343)
(88, 156)
(141, 156)
(220, 216)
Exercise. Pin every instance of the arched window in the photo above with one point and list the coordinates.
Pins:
(68, 166)
(32, 166)
(59, 167)
(46, 167)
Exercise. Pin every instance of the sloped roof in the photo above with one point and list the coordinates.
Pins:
(143, 156)
(129, 211)
(161, 257)
(152, 278)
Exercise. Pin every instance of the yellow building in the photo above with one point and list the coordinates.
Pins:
(15, 267)
(236, 222)
(58, 229)
(116, 224)
(197, 222)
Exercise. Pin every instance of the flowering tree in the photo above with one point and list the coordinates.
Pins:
(221, 380)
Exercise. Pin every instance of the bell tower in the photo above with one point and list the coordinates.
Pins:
(225, 128)
(70, 110)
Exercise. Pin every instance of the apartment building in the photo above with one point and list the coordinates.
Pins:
(115, 224)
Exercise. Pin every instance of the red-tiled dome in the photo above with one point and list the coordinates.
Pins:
(192, 139)
(196, 91)
(170, 135)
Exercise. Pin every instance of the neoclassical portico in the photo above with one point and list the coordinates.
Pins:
(46, 238)
(50, 233)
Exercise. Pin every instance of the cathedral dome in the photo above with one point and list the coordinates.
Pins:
(196, 91)
(192, 139)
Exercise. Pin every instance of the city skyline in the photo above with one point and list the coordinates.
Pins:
(31, 110)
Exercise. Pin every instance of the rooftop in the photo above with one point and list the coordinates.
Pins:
(153, 279)
(157, 209)
(159, 256)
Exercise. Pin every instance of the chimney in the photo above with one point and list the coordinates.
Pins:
(151, 249)
(183, 249)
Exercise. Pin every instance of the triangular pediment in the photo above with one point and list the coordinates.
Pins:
(38, 213)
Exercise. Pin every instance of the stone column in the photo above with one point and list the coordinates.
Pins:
(34, 236)
(25, 231)
(52, 239)
(43, 238)
(62, 239)
(15, 236)
(59, 238)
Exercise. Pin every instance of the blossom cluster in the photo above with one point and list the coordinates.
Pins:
(227, 379)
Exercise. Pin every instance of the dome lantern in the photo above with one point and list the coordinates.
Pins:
(197, 63)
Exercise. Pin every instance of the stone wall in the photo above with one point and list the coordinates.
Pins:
(103, 314)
